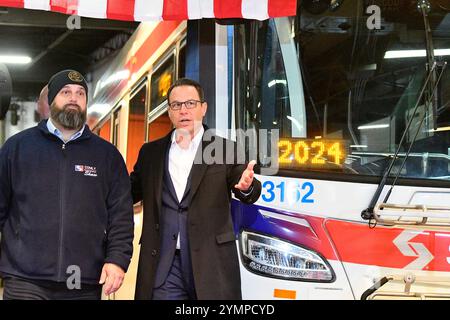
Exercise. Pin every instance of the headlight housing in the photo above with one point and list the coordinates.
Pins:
(280, 259)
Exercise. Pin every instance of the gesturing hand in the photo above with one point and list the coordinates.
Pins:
(247, 177)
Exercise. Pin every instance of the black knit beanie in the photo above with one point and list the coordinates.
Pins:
(62, 78)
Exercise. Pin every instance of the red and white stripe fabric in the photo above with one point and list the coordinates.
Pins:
(147, 10)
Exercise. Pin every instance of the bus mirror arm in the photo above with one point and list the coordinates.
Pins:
(368, 213)
(424, 7)
(434, 89)
(440, 65)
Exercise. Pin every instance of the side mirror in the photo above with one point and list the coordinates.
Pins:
(5, 91)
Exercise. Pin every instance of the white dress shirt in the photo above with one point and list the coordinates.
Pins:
(180, 164)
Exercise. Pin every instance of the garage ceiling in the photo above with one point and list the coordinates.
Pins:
(45, 37)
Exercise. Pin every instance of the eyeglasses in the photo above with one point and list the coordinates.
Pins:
(190, 104)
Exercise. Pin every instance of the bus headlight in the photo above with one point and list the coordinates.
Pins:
(276, 258)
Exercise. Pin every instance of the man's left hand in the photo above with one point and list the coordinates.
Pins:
(112, 278)
(246, 178)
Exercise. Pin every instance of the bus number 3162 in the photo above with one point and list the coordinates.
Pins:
(291, 192)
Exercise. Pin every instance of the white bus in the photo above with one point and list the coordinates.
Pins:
(360, 205)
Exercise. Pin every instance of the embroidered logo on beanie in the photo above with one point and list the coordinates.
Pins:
(63, 78)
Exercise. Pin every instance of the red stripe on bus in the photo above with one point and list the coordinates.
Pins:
(160, 34)
(175, 10)
(120, 10)
(228, 9)
(282, 8)
(390, 247)
(151, 44)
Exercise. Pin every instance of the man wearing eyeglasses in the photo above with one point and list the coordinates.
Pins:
(188, 248)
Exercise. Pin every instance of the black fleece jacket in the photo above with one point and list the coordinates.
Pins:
(63, 205)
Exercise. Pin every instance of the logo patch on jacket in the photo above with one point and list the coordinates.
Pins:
(88, 171)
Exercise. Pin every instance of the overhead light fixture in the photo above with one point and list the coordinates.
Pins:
(373, 126)
(15, 59)
(396, 54)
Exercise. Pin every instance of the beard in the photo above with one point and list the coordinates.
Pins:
(68, 118)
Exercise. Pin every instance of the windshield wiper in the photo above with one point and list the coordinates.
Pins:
(415, 136)
(368, 213)
(430, 82)
(424, 8)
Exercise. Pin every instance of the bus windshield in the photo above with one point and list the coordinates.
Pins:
(341, 88)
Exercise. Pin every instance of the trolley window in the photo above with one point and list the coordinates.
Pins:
(136, 125)
(105, 130)
(161, 81)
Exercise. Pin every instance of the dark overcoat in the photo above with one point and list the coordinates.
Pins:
(212, 240)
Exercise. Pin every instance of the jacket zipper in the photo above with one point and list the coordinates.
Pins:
(61, 210)
(17, 227)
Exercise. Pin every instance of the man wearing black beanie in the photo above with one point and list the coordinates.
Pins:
(67, 98)
(66, 214)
